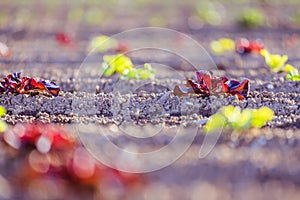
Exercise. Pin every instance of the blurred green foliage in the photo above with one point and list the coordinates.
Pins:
(208, 13)
(222, 45)
(101, 44)
(235, 118)
(252, 18)
(3, 125)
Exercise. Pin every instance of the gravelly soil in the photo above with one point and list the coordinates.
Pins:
(152, 102)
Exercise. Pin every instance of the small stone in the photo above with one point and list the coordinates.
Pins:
(270, 86)
(202, 121)
(281, 79)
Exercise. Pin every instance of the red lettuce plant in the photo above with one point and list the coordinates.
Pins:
(15, 84)
(63, 39)
(244, 46)
(207, 85)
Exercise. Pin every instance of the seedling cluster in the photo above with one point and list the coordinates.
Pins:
(222, 45)
(241, 46)
(277, 63)
(123, 65)
(234, 118)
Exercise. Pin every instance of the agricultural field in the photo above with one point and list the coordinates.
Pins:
(150, 99)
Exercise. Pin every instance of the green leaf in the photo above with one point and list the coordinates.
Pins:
(275, 61)
(221, 45)
(296, 78)
(243, 121)
(261, 116)
(232, 117)
(101, 44)
(227, 111)
(2, 111)
(215, 122)
(232, 113)
(208, 13)
(3, 126)
(132, 74)
(293, 75)
(288, 68)
(252, 18)
(116, 64)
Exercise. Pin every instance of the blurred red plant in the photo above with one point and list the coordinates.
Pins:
(244, 46)
(51, 150)
(66, 40)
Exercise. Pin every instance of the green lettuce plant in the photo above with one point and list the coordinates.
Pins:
(123, 65)
(235, 118)
(116, 64)
(276, 62)
(252, 18)
(208, 13)
(222, 45)
(101, 43)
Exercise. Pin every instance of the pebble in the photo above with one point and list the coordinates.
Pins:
(270, 87)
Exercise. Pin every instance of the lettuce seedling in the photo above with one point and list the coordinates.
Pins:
(116, 64)
(244, 46)
(141, 73)
(278, 64)
(64, 39)
(275, 61)
(235, 118)
(222, 45)
(208, 13)
(252, 18)
(122, 65)
(101, 44)
(207, 85)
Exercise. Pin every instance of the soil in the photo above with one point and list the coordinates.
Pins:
(256, 164)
